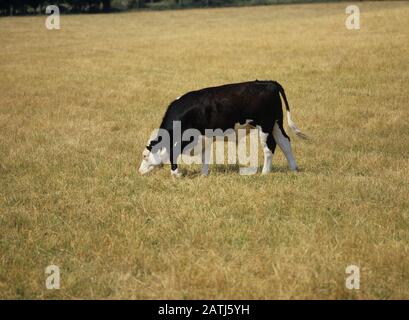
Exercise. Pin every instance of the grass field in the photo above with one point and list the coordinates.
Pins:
(77, 106)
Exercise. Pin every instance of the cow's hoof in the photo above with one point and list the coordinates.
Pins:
(176, 173)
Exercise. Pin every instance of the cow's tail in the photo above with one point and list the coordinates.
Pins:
(290, 122)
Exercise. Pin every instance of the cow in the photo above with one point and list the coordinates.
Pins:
(256, 103)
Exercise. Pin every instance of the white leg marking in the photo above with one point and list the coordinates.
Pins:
(175, 173)
(268, 155)
(285, 146)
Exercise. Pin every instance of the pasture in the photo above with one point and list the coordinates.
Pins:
(78, 104)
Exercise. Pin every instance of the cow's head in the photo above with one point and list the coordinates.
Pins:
(151, 159)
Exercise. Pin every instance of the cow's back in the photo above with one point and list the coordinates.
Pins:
(222, 106)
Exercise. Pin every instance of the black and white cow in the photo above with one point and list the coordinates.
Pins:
(256, 103)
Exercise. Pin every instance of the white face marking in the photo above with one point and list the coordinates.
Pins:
(150, 160)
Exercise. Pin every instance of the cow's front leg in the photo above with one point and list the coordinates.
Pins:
(175, 171)
(173, 155)
(268, 144)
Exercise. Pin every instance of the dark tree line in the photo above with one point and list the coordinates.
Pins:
(22, 7)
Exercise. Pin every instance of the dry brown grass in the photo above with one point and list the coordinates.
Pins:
(77, 106)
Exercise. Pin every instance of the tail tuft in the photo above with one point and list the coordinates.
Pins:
(293, 127)
(290, 122)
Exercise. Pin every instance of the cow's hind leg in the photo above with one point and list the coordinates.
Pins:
(268, 144)
(283, 141)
